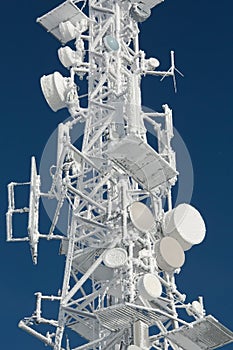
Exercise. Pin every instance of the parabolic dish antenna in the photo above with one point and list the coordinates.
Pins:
(153, 62)
(111, 43)
(67, 56)
(149, 286)
(185, 224)
(141, 216)
(115, 257)
(54, 89)
(170, 254)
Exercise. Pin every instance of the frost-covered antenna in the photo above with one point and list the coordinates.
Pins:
(172, 70)
(122, 249)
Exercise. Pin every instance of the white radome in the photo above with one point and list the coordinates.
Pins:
(149, 286)
(141, 216)
(67, 56)
(115, 257)
(186, 225)
(169, 254)
(54, 89)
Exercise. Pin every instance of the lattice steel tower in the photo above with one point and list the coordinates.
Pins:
(122, 248)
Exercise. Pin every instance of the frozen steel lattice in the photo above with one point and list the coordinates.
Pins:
(122, 248)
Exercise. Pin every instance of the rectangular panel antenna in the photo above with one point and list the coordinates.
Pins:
(67, 11)
(203, 334)
(142, 162)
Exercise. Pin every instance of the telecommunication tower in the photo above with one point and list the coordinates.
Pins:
(122, 249)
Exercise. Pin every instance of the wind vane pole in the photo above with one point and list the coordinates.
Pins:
(122, 249)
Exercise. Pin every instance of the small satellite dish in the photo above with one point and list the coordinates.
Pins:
(111, 43)
(115, 258)
(169, 254)
(67, 56)
(141, 216)
(149, 286)
(185, 224)
(153, 63)
(67, 30)
(54, 88)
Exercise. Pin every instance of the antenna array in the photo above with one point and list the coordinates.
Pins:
(122, 249)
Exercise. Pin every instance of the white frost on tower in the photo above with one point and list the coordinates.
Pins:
(122, 250)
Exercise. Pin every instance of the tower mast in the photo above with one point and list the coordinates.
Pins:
(124, 243)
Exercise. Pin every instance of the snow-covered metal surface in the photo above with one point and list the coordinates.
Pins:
(141, 162)
(122, 248)
(203, 334)
(65, 17)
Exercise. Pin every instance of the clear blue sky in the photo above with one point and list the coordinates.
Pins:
(201, 34)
